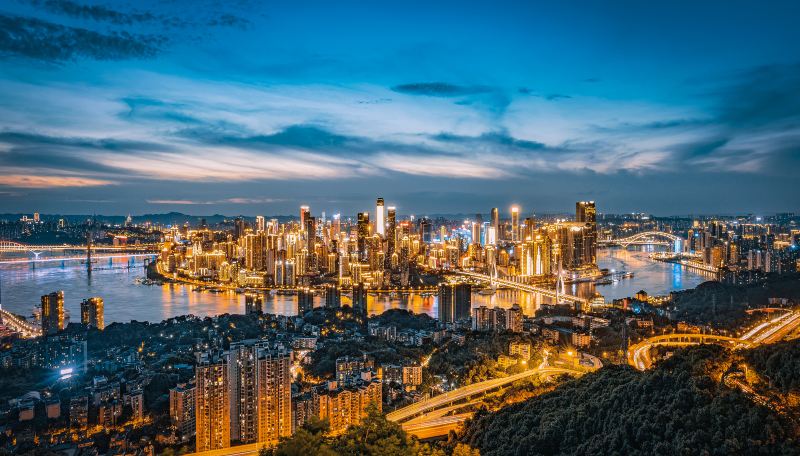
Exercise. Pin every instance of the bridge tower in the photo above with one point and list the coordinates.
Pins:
(89, 250)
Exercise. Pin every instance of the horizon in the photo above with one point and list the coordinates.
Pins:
(246, 107)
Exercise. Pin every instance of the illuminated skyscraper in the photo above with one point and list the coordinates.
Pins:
(260, 224)
(380, 224)
(585, 212)
(495, 223)
(392, 234)
(274, 392)
(92, 313)
(515, 224)
(212, 402)
(305, 212)
(363, 234)
(52, 312)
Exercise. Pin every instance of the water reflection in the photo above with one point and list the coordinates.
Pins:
(117, 281)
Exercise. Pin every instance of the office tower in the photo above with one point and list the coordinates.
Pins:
(455, 302)
(261, 224)
(253, 303)
(495, 222)
(181, 408)
(333, 296)
(380, 224)
(305, 300)
(239, 227)
(305, 212)
(391, 237)
(586, 212)
(311, 234)
(212, 402)
(491, 235)
(362, 234)
(515, 224)
(426, 230)
(337, 226)
(52, 312)
(92, 313)
(476, 233)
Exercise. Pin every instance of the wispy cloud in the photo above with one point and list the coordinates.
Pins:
(39, 39)
(36, 181)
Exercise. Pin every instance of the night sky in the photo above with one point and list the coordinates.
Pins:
(240, 107)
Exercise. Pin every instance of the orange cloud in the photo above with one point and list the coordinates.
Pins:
(33, 181)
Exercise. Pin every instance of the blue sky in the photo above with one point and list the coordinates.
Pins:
(440, 107)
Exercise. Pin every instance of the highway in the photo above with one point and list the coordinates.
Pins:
(465, 392)
(764, 333)
(26, 329)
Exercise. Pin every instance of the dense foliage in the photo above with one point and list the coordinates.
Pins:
(724, 306)
(676, 408)
(779, 363)
(374, 436)
(476, 359)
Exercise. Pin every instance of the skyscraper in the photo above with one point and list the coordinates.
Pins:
(305, 212)
(52, 312)
(455, 302)
(585, 212)
(212, 402)
(92, 313)
(380, 225)
(391, 238)
(495, 222)
(260, 224)
(514, 224)
(363, 234)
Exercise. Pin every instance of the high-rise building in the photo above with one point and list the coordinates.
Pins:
(181, 409)
(514, 224)
(586, 212)
(212, 402)
(305, 300)
(360, 302)
(253, 303)
(52, 312)
(380, 224)
(261, 224)
(274, 383)
(92, 313)
(391, 237)
(333, 296)
(455, 302)
(495, 222)
(305, 212)
(362, 234)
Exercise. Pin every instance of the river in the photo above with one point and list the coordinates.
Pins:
(117, 281)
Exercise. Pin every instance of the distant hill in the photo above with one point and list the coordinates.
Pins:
(674, 409)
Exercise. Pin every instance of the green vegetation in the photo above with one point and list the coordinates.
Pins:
(323, 359)
(779, 364)
(476, 360)
(724, 306)
(375, 435)
(677, 408)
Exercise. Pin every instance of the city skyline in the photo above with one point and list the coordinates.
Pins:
(254, 109)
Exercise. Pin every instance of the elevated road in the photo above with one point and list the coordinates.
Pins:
(764, 333)
(551, 293)
(19, 325)
(465, 392)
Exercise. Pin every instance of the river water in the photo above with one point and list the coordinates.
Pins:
(117, 281)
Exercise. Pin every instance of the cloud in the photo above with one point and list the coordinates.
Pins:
(42, 40)
(440, 89)
(93, 12)
(35, 181)
(237, 200)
